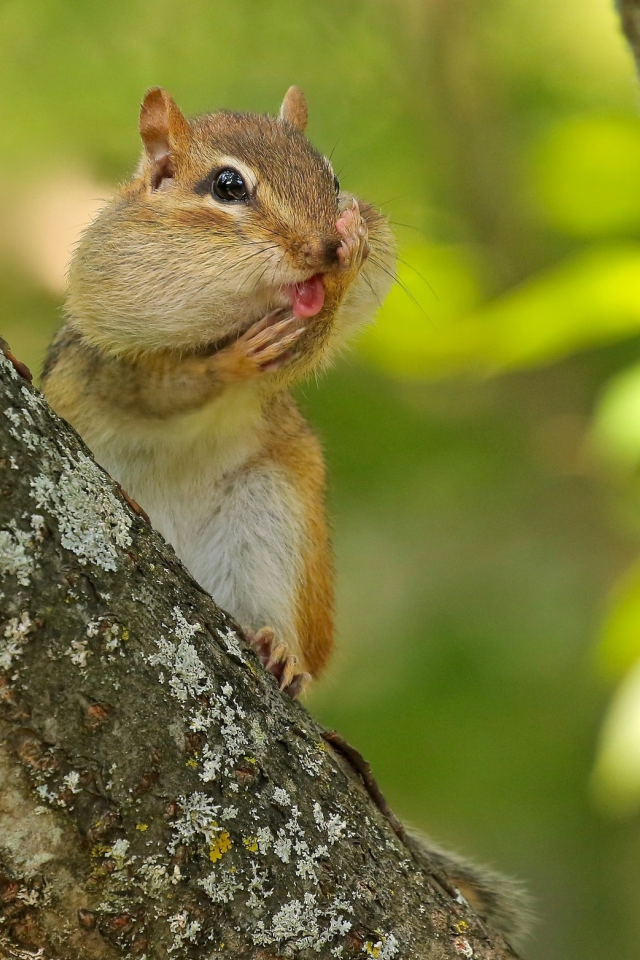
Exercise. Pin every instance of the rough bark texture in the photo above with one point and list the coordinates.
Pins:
(158, 796)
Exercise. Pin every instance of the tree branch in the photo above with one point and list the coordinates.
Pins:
(158, 796)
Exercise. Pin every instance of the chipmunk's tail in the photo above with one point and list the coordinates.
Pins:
(500, 900)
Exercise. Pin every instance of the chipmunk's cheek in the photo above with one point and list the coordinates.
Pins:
(307, 298)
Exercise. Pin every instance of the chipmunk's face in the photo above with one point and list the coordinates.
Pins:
(228, 216)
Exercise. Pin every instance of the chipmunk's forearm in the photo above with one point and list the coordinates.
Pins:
(78, 376)
(153, 385)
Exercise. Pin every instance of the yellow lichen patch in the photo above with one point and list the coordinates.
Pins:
(373, 949)
(192, 763)
(100, 850)
(221, 844)
(125, 633)
(461, 926)
(142, 827)
(250, 759)
(251, 843)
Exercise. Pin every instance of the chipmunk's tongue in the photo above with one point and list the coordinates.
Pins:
(307, 298)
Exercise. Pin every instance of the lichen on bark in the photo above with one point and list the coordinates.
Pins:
(159, 798)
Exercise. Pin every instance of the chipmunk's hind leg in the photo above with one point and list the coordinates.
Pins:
(277, 659)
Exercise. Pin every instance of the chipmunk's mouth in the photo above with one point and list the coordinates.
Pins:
(307, 297)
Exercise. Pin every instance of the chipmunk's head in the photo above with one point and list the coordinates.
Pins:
(228, 216)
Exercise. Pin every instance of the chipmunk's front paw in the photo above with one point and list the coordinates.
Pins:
(266, 346)
(354, 248)
(277, 660)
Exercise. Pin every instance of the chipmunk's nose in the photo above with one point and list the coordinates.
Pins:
(320, 254)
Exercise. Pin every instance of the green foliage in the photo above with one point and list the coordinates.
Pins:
(585, 175)
(588, 299)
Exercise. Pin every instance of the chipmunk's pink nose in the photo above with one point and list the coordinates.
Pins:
(307, 298)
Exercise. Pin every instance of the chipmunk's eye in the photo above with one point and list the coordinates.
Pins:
(336, 184)
(229, 186)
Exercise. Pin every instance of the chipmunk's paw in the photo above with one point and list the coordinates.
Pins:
(354, 248)
(266, 346)
(276, 659)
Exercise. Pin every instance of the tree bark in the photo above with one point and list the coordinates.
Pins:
(158, 796)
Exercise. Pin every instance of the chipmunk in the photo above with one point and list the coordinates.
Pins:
(231, 265)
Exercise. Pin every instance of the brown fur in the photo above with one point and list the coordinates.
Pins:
(290, 443)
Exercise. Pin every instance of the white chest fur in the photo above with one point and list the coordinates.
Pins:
(230, 513)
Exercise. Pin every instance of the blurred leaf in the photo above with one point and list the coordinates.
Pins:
(435, 285)
(615, 781)
(616, 427)
(620, 641)
(590, 300)
(586, 176)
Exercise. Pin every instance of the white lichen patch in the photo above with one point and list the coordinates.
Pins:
(93, 524)
(119, 851)
(154, 878)
(187, 674)
(183, 629)
(257, 889)
(22, 420)
(311, 760)
(188, 679)
(211, 763)
(281, 797)
(15, 561)
(333, 826)
(307, 859)
(222, 887)
(78, 652)
(71, 781)
(112, 634)
(198, 820)
(14, 634)
(235, 739)
(37, 524)
(303, 925)
(9, 367)
(232, 645)
(264, 839)
(183, 929)
(49, 796)
(282, 848)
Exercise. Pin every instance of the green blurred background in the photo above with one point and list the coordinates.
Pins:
(483, 439)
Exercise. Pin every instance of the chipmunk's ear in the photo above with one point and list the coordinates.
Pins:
(163, 130)
(294, 108)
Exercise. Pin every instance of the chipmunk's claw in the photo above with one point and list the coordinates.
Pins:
(276, 659)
